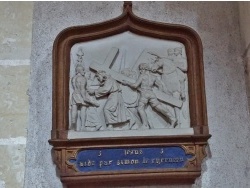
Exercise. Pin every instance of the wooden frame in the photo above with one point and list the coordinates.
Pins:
(64, 148)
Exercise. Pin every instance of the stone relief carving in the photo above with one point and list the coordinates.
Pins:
(172, 70)
(144, 85)
(80, 100)
(114, 109)
(147, 93)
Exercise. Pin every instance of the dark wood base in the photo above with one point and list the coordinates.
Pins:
(116, 180)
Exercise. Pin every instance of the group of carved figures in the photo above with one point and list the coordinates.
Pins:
(117, 112)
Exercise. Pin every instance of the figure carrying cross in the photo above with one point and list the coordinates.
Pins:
(144, 85)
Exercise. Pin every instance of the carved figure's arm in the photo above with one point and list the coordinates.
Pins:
(157, 66)
(105, 89)
(181, 64)
(90, 91)
(158, 84)
(182, 79)
(81, 84)
(73, 82)
(133, 85)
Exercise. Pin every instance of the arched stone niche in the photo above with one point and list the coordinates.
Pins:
(175, 120)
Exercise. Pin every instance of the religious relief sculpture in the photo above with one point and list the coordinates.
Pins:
(148, 91)
(114, 109)
(129, 103)
(80, 100)
(172, 70)
(144, 85)
(131, 98)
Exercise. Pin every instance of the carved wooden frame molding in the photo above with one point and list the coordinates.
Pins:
(64, 148)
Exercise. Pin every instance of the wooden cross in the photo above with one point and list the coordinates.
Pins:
(107, 65)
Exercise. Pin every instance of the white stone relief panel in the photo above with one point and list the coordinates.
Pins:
(129, 83)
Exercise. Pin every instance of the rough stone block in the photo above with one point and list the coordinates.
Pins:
(244, 8)
(14, 81)
(12, 165)
(13, 125)
(15, 29)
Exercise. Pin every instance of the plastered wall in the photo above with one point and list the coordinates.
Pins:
(244, 18)
(15, 49)
(217, 23)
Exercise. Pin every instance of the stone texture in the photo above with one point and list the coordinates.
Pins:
(216, 23)
(244, 8)
(13, 125)
(14, 82)
(12, 165)
(15, 29)
(247, 76)
(15, 49)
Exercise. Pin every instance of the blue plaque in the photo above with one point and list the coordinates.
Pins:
(117, 159)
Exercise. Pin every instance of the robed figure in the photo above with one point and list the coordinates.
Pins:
(114, 109)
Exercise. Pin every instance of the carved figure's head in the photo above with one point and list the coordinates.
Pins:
(170, 51)
(88, 74)
(154, 57)
(178, 51)
(80, 69)
(80, 55)
(175, 51)
(101, 76)
(144, 67)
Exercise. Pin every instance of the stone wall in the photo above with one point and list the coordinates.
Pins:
(244, 8)
(218, 26)
(15, 49)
